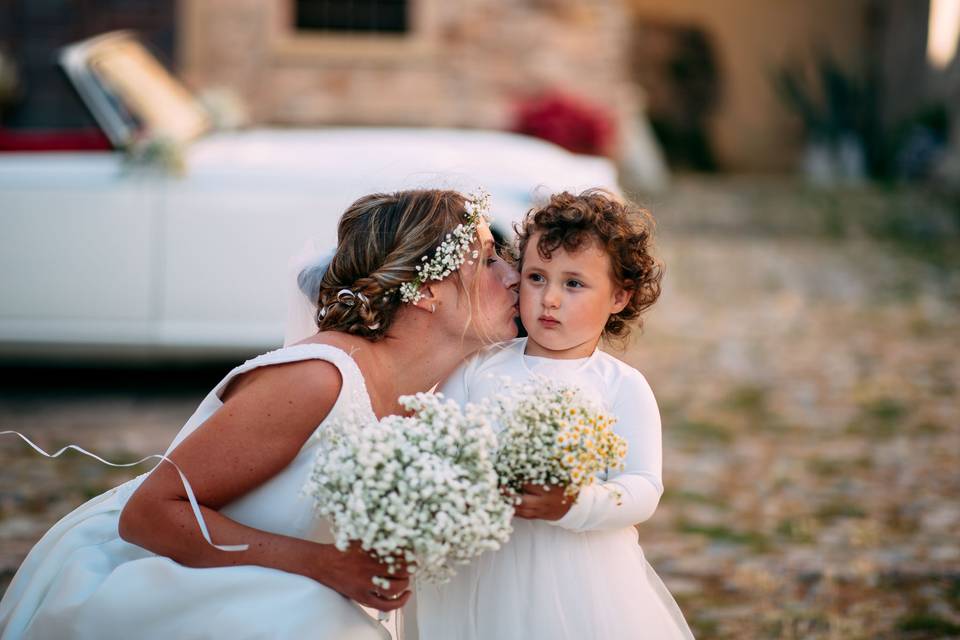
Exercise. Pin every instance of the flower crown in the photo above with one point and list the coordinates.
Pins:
(452, 252)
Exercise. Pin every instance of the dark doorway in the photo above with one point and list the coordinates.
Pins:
(33, 31)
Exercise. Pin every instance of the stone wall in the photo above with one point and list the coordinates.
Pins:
(464, 63)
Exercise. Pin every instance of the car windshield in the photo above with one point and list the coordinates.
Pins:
(129, 82)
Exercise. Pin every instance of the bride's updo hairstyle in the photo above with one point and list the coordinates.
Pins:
(380, 241)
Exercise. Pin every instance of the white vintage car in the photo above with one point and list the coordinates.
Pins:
(103, 258)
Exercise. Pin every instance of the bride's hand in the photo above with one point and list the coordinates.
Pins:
(351, 573)
(543, 503)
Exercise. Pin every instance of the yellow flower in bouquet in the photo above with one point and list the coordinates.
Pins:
(552, 434)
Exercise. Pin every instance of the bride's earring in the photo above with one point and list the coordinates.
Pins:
(433, 308)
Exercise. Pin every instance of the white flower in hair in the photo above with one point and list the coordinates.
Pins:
(452, 252)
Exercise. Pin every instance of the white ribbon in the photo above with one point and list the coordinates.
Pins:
(186, 484)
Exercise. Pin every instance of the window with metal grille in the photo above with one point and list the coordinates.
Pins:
(365, 16)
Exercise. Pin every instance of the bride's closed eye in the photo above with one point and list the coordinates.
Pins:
(496, 254)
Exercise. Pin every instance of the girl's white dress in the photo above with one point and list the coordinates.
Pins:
(83, 581)
(583, 576)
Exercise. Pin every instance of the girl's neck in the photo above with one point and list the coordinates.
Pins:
(576, 352)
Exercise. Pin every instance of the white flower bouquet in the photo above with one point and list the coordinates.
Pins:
(553, 435)
(420, 489)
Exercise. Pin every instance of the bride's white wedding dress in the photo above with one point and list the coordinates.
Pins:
(83, 581)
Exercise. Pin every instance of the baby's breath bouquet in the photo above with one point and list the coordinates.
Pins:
(420, 489)
(553, 435)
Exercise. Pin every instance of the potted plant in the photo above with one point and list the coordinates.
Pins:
(833, 108)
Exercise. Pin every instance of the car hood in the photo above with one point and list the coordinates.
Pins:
(385, 158)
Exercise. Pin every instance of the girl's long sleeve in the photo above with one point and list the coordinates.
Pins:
(631, 496)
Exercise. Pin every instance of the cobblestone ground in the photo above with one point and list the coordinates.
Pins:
(804, 354)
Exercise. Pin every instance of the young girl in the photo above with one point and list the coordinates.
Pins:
(573, 568)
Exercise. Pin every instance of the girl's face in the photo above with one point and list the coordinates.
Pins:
(565, 301)
(491, 288)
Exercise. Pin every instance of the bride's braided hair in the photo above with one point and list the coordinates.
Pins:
(380, 241)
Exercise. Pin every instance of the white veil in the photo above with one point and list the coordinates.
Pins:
(304, 272)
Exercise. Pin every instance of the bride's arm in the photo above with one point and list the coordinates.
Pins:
(266, 417)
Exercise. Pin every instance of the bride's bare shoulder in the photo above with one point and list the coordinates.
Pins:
(314, 377)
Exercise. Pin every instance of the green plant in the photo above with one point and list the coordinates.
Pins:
(831, 106)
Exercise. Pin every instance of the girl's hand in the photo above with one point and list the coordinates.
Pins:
(543, 503)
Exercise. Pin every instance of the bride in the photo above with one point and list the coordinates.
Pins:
(414, 287)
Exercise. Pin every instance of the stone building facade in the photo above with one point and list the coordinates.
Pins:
(460, 64)
(470, 63)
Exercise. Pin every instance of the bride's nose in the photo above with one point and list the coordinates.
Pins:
(509, 276)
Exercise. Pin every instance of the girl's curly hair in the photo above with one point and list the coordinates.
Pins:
(622, 229)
